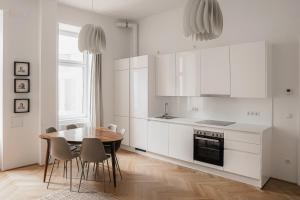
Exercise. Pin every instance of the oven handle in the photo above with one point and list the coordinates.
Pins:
(206, 139)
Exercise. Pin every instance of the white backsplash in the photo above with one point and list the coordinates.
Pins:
(253, 111)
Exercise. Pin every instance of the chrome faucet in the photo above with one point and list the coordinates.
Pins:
(166, 106)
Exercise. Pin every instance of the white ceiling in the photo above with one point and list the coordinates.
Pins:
(130, 9)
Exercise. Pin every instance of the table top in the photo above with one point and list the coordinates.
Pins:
(78, 134)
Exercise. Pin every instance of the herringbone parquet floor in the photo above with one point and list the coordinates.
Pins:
(146, 179)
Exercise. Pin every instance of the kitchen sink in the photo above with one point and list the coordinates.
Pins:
(166, 117)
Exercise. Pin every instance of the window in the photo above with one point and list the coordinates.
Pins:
(73, 76)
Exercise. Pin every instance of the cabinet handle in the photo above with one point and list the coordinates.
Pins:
(206, 139)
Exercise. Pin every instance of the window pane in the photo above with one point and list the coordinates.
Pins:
(68, 49)
(71, 94)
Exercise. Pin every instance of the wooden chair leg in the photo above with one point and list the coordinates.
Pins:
(118, 166)
(88, 170)
(51, 174)
(77, 164)
(108, 170)
(70, 175)
(82, 174)
(103, 176)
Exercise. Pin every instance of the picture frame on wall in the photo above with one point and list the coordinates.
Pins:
(21, 105)
(21, 68)
(22, 85)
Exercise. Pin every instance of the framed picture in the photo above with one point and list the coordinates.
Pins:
(22, 85)
(21, 68)
(21, 105)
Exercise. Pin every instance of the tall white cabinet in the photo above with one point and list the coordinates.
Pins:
(121, 115)
(139, 101)
(132, 95)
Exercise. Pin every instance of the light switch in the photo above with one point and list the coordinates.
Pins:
(16, 122)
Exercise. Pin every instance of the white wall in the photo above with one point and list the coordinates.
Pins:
(20, 131)
(244, 21)
(1, 88)
(117, 41)
(48, 30)
(30, 29)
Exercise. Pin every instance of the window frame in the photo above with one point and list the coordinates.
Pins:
(85, 65)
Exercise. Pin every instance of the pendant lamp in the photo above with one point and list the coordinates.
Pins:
(91, 39)
(202, 20)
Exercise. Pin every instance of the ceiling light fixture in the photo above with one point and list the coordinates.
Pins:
(202, 20)
(92, 38)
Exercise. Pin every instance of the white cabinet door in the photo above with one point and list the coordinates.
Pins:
(248, 70)
(215, 71)
(139, 61)
(138, 133)
(122, 64)
(139, 92)
(123, 122)
(122, 92)
(245, 164)
(158, 138)
(165, 75)
(181, 142)
(188, 73)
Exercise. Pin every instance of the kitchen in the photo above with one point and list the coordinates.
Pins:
(237, 150)
(177, 99)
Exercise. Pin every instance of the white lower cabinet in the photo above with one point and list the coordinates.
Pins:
(158, 138)
(242, 163)
(181, 145)
(123, 122)
(138, 133)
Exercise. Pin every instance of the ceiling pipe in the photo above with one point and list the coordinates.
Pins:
(134, 36)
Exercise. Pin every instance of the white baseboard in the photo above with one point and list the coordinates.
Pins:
(207, 169)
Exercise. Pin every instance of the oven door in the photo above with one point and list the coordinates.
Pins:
(209, 149)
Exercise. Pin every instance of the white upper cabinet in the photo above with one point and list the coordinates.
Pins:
(188, 73)
(249, 70)
(165, 75)
(215, 71)
(122, 87)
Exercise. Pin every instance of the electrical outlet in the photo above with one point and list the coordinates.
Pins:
(195, 109)
(253, 113)
(287, 161)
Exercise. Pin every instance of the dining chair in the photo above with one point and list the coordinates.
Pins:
(50, 130)
(112, 127)
(117, 147)
(75, 147)
(61, 151)
(71, 126)
(92, 151)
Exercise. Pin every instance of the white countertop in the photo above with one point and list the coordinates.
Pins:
(253, 128)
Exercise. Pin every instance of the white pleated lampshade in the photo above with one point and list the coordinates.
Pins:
(202, 19)
(91, 39)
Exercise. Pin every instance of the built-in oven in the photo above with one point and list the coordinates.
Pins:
(209, 147)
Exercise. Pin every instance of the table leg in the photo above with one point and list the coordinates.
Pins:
(47, 159)
(113, 162)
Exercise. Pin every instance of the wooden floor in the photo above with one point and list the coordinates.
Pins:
(146, 178)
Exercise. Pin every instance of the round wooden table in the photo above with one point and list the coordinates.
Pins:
(77, 135)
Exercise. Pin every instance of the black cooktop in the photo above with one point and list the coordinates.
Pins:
(215, 122)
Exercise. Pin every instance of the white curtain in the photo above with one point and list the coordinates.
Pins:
(96, 105)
